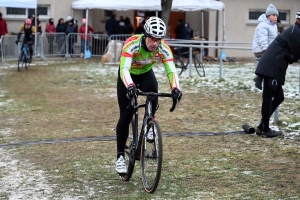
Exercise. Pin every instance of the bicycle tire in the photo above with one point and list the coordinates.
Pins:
(199, 66)
(151, 157)
(129, 153)
(178, 64)
(27, 64)
(21, 61)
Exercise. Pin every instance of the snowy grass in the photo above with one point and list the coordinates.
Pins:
(225, 167)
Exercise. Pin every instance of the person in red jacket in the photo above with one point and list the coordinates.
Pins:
(3, 26)
(85, 39)
(49, 30)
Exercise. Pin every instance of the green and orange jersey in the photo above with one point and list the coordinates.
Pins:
(136, 60)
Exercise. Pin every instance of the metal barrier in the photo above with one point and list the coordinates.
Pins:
(54, 45)
(9, 50)
(276, 113)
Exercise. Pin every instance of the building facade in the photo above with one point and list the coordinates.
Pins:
(235, 24)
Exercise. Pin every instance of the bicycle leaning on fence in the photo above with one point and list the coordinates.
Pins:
(181, 61)
(146, 146)
(24, 57)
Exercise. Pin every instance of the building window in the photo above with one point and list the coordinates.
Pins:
(42, 10)
(284, 15)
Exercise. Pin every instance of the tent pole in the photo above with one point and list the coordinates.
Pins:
(86, 29)
(224, 26)
(202, 24)
(35, 35)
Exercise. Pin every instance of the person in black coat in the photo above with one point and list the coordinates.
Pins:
(179, 29)
(111, 25)
(284, 50)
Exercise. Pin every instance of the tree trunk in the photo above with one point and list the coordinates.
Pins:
(165, 12)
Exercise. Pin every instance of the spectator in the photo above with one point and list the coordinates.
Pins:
(30, 17)
(265, 33)
(111, 25)
(39, 32)
(49, 30)
(3, 26)
(188, 32)
(179, 29)
(121, 26)
(60, 35)
(140, 29)
(69, 18)
(70, 31)
(284, 50)
(280, 28)
(129, 28)
(85, 39)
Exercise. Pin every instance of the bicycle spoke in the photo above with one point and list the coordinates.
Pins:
(151, 158)
(199, 66)
(129, 154)
(178, 64)
(21, 62)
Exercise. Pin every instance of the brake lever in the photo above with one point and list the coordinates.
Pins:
(175, 102)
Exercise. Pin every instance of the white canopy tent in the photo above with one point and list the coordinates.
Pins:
(115, 5)
(195, 5)
(19, 3)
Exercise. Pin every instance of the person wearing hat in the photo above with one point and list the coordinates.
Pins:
(265, 32)
(284, 50)
(85, 38)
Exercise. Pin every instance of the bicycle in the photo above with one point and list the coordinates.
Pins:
(24, 57)
(140, 147)
(181, 66)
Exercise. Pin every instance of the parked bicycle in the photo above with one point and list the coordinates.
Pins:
(24, 57)
(181, 60)
(146, 146)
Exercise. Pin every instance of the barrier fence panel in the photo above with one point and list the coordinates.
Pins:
(53, 44)
(10, 51)
(95, 43)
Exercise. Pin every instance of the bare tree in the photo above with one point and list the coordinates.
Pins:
(165, 11)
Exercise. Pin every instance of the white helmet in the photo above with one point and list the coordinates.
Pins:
(155, 27)
(298, 15)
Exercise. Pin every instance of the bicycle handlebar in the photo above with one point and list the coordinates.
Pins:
(175, 101)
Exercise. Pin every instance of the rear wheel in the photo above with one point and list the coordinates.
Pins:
(178, 64)
(151, 157)
(27, 64)
(129, 153)
(199, 66)
(21, 61)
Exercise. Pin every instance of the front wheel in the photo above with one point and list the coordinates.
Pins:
(21, 61)
(129, 152)
(151, 157)
(27, 64)
(199, 67)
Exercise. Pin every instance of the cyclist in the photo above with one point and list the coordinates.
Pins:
(29, 31)
(139, 54)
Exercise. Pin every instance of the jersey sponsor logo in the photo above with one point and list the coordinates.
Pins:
(164, 51)
(134, 48)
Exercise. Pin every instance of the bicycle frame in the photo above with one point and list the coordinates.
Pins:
(25, 49)
(141, 147)
(136, 143)
(147, 116)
